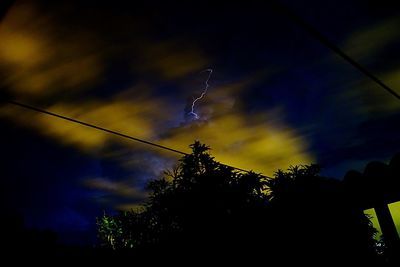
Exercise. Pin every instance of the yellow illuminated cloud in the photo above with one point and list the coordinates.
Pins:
(38, 60)
(20, 44)
(136, 116)
(20, 49)
(44, 62)
(367, 97)
(257, 141)
(254, 145)
(371, 40)
(388, 102)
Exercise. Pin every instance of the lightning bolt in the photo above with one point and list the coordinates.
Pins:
(196, 117)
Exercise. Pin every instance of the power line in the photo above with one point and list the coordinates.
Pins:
(96, 127)
(325, 41)
(110, 131)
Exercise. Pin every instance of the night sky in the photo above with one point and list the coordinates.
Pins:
(276, 97)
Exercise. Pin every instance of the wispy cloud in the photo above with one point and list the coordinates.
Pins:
(120, 189)
(39, 61)
(371, 40)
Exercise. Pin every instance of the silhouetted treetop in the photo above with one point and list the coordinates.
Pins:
(206, 210)
(199, 193)
(379, 182)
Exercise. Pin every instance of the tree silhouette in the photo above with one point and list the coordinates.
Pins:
(205, 210)
(318, 220)
(200, 204)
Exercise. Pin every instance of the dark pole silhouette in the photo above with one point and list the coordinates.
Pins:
(388, 227)
(376, 187)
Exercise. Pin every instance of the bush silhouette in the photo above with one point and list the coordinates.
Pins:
(208, 211)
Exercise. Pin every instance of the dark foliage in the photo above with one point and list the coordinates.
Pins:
(205, 211)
